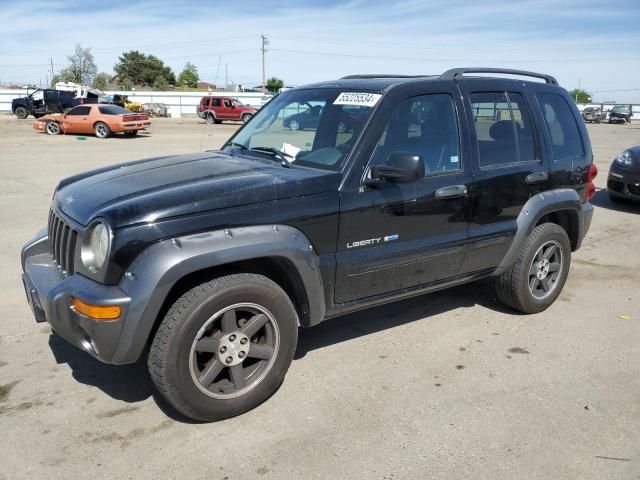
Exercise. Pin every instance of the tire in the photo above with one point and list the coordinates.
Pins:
(199, 383)
(246, 117)
(21, 113)
(101, 130)
(52, 128)
(131, 133)
(210, 118)
(514, 286)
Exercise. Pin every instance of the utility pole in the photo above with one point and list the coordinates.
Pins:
(51, 62)
(226, 76)
(265, 42)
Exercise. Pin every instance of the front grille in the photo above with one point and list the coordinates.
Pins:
(62, 243)
(615, 185)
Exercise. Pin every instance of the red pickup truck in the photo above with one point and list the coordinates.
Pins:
(219, 109)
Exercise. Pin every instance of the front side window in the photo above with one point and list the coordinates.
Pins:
(503, 128)
(566, 142)
(79, 111)
(427, 126)
(315, 127)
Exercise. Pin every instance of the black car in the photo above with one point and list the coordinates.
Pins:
(620, 114)
(208, 263)
(623, 182)
(45, 101)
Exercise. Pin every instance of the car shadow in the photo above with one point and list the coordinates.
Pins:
(391, 315)
(602, 200)
(132, 383)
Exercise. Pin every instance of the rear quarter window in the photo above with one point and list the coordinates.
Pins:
(561, 125)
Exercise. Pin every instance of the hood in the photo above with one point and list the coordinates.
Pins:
(164, 187)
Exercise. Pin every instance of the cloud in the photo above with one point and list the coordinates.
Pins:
(578, 41)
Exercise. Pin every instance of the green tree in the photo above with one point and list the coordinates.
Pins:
(274, 84)
(101, 82)
(160, 83)
(580, 96)
(140, 69)
(189, 76)
(81, 68)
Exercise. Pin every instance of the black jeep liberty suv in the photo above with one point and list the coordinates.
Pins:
(208, 263)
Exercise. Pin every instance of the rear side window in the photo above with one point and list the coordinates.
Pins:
(215, 102)
(503, 128)
(561, 125)
(79, 111)
(113, 110)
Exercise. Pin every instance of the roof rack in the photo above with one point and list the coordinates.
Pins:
(383, 75)
(458, 72)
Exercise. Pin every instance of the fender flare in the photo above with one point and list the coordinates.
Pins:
(537, 207)
(157, 269)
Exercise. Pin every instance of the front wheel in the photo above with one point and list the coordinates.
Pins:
(52, 128)
(21, 113)
(537, 276)
(246, 117)
(102, 130)
(224, 347)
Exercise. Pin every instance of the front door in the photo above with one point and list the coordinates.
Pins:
(76, 120)
(396, 236)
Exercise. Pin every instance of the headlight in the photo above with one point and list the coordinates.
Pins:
(96, 249)
(625, 158)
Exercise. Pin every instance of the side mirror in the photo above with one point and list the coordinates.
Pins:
(401, 167)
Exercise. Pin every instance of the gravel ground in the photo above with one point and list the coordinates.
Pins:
(444, 386)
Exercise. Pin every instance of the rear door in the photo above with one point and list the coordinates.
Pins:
(396, 236)
(509, 165)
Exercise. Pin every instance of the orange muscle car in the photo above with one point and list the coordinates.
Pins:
(101, 119)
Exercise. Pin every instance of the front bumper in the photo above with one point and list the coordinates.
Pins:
(623, 183)
(50, 293)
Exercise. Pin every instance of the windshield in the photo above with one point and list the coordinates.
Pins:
(315, 127)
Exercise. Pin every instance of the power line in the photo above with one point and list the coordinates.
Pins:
(381, 57)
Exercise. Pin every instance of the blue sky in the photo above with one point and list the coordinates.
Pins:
(592, 43)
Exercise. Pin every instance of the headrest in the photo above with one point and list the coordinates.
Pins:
(502, 130)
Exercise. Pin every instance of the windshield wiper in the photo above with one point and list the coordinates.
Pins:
(279, 154)
(235, 144)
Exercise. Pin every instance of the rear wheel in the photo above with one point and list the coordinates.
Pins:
(210, 118)
(21, 113)
(537, 276)
(102, 130)
(224, 347)
(52, 128)
(294, 125)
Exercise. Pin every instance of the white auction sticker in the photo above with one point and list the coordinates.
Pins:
(357, 98)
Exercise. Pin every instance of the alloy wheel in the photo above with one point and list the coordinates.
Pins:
(234, 350)
(546, 269)
(294, 125)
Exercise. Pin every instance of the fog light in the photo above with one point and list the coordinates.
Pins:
(97, 312)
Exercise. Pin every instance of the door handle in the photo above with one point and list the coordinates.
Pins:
(536, 177)
(453, 191)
